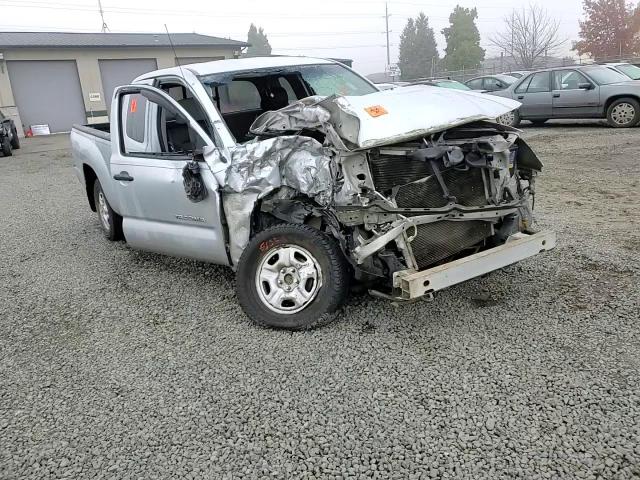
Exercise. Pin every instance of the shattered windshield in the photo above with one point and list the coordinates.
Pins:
(334, 79)
(323, 79)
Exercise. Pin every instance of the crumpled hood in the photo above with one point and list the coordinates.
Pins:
(407, 113)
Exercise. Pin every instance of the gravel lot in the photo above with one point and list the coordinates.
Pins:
(119, 364)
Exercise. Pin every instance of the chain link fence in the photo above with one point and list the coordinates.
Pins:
(509, 66)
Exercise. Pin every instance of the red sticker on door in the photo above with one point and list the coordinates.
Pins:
(134, 105)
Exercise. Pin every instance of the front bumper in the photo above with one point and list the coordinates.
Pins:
(412, 284)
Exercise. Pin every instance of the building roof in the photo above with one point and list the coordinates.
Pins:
(99, 40)
(239, 65)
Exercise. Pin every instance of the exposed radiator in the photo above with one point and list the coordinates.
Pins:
(467, 186)
(437, 241)
(403, 172)
(391, 171)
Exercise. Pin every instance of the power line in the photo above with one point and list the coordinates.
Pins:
(183, 13)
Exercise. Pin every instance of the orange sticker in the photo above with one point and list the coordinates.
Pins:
(376, 110)
(134, 105)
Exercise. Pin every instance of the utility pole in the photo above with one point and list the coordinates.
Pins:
(386, 20)
(105, 28)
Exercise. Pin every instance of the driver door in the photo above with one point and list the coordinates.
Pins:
(572, 101)
(154, 141)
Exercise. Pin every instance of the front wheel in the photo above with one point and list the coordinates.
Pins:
(623, 113)
(510, 119)
(291, 276)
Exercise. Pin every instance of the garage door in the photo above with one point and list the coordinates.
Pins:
(47, 92)
(120, 72)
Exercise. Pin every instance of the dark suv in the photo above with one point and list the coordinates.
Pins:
(8, 136)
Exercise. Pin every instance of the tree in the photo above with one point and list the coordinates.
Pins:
(407, 51)
(610, 29)
(259, 43)
(463, 40)
(418, 49)
(529, 35)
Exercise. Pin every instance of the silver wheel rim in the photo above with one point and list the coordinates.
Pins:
(623, 113)
(507, 118)
(103, 210)
(288, 279)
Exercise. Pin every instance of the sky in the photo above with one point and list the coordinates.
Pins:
(352, 29)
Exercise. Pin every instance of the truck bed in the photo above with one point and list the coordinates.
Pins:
(101, 130)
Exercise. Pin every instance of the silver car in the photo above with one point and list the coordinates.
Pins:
(592, 91)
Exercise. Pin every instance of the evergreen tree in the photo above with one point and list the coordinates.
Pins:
(463, 40)
(426, 48)
(406, 59)
(417, 48)
(259, 42)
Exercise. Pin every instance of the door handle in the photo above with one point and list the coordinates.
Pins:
(556, 95)
(520, 97)
(123, 177)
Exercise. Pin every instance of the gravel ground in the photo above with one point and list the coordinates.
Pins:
(119, 364)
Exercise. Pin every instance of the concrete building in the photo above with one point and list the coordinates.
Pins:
(59, 79)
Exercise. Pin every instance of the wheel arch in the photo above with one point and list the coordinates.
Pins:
(618, 96)
(90, 178)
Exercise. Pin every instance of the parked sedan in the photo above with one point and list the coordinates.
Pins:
(592, 91)
(491, 83)
(631, 71)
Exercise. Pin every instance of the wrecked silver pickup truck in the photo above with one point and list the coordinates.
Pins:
(303, 177)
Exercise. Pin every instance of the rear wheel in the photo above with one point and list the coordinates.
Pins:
(110, 221)
(15, 140)
(291, 276)
(623, 113)
(6, 147)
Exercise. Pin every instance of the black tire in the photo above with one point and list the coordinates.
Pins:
(111, 226)
(539, 121)
(330, 293)
(623, 113)
(6, 147)
(15, 140)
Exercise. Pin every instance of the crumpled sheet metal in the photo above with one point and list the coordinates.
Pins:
(305, 113)
(298, 162)
(237, 211)
(260, 167)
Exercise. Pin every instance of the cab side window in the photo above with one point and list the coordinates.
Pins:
(185, 98)
(135, 118)
(149, 129)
